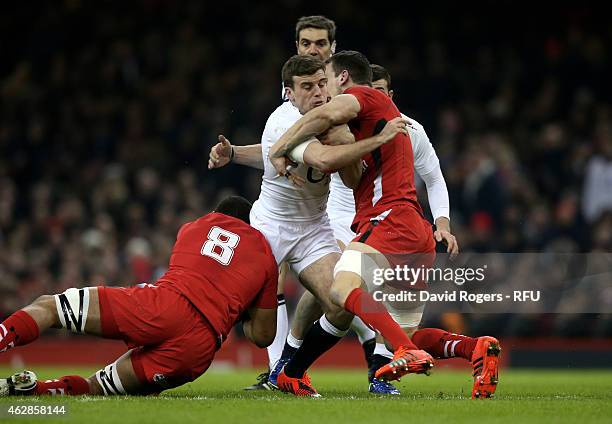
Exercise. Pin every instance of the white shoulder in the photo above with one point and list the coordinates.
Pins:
(279, 121)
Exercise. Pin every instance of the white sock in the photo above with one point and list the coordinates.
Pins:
(328, 327)
(382, 350)
(275, 350)
(364, 333)
(294, 342)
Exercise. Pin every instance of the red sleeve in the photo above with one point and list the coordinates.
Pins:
(266, 299)
(365, 98)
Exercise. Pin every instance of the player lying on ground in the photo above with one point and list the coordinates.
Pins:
(388, 220)
(221, 271)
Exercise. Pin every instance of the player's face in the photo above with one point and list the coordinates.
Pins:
(309, 91)
(333, 82)
(381, 85)
(315, 42)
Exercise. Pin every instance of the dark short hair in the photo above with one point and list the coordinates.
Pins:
(299, 66)
(378, 73)
(355, 63)
(235, 206)
(318, 22)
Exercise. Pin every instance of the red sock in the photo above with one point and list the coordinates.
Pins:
(17, 330)
(375, 315)
(70, 385)
(442, 344)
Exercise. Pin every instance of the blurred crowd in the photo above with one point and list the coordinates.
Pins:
(108, 111)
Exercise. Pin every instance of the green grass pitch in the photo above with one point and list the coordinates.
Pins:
(523, 396)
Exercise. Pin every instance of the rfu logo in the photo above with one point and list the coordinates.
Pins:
(364, 165)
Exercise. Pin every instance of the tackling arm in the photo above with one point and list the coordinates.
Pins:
(339, 110)
(347, 157)
(260, 328)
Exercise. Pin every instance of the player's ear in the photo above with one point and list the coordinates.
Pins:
(344, 76)
(391, 94)
(333, 47)
(289, 94)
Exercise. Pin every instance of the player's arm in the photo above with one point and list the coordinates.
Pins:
(339, 110)
(329, 158)
(224, 152)
(427, 165)
(259, 324)
(260, 328)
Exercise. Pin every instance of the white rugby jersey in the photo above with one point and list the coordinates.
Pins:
(279, 197)
(341, 200)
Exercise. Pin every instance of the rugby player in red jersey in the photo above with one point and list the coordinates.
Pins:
(388, 217)
(221, 271)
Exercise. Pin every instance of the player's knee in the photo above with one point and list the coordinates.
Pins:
(45, 301)
(43, 309)
(337, 296)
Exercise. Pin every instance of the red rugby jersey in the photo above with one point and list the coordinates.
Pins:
(388, 177)
(222, 266)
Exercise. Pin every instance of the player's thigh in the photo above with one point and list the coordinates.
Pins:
(283, 270)
(355, 269)
(178, 360)
(318, 278)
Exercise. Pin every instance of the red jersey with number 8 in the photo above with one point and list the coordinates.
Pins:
(222, 266)
(388, 177)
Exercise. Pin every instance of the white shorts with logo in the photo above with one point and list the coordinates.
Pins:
(299, 243)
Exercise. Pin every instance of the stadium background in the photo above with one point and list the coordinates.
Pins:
(108, 111)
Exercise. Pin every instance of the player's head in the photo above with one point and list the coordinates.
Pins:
(315, 36)
(346, 69)
(381, 80)
(235, 206)
(305, 82)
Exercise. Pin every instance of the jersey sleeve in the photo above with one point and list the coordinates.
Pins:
(425, 158)
(366, 100)
(266, 298)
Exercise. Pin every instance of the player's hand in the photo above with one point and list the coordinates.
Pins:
(392, 128)
(285, 168)
(340, 134)
(452, 246)
(220, 154)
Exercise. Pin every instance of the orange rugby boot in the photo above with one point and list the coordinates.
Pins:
(297, 386)
(406, 361)
(485, 361)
